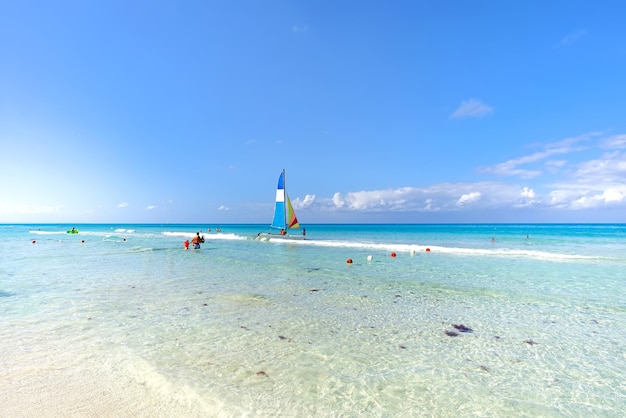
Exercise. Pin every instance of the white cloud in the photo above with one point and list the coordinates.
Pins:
(468, 198)
(122, 205)
(471, 108)
(580, 196)
(610, 168)
(594, 183)
(597, 200)
(571, 38)
(561, 198)
(526, 192)
(438, 197)
(151, 207)
(512, 167)
(390, 199)
(527, 198)
(615, 142)
(222, 207)
(612, 196)
(554, 166)
(429, 206)
(306, 202)
(338, 200)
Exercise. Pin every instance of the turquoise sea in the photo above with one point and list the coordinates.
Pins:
(120, 320)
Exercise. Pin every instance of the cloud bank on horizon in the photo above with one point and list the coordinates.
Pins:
(588, 184)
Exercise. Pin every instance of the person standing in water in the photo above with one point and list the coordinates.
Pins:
(196, 241)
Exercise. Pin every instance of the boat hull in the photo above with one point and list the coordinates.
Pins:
(266, 236)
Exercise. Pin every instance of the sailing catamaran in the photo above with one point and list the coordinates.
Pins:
(284, 216)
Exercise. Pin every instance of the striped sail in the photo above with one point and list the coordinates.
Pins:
(284, 215)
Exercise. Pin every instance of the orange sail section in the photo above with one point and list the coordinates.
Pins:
(292, 221)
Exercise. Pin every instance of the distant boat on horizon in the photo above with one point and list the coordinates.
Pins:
(285, 219)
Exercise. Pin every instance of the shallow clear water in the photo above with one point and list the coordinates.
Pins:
(129, 322)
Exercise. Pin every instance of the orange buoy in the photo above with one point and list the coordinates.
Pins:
(393, 254)
(349, 261)
(427, 250)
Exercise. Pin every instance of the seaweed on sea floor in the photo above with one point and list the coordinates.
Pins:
(462, 328)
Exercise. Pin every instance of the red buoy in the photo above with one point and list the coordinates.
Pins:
(393, 254)
(349, 261)
(427, 250)
(33, 241)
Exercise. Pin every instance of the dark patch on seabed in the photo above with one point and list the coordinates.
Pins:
(460, 328)
(5, 294)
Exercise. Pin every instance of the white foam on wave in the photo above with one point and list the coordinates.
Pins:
(64, 233)
(122, 230)
(411, 249)
(221, 236)
(179, 234)
(503, 252)
(207, 237)
(420, 248)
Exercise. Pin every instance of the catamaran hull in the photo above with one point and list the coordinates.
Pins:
(267, 237)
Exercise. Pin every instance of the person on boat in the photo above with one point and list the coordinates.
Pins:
(283, 232)
(196, 241)
(73, 230)
(304, 232)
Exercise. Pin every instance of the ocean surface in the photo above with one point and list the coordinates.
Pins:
(465, 320)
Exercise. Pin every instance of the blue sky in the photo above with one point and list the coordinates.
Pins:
(380, 111)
